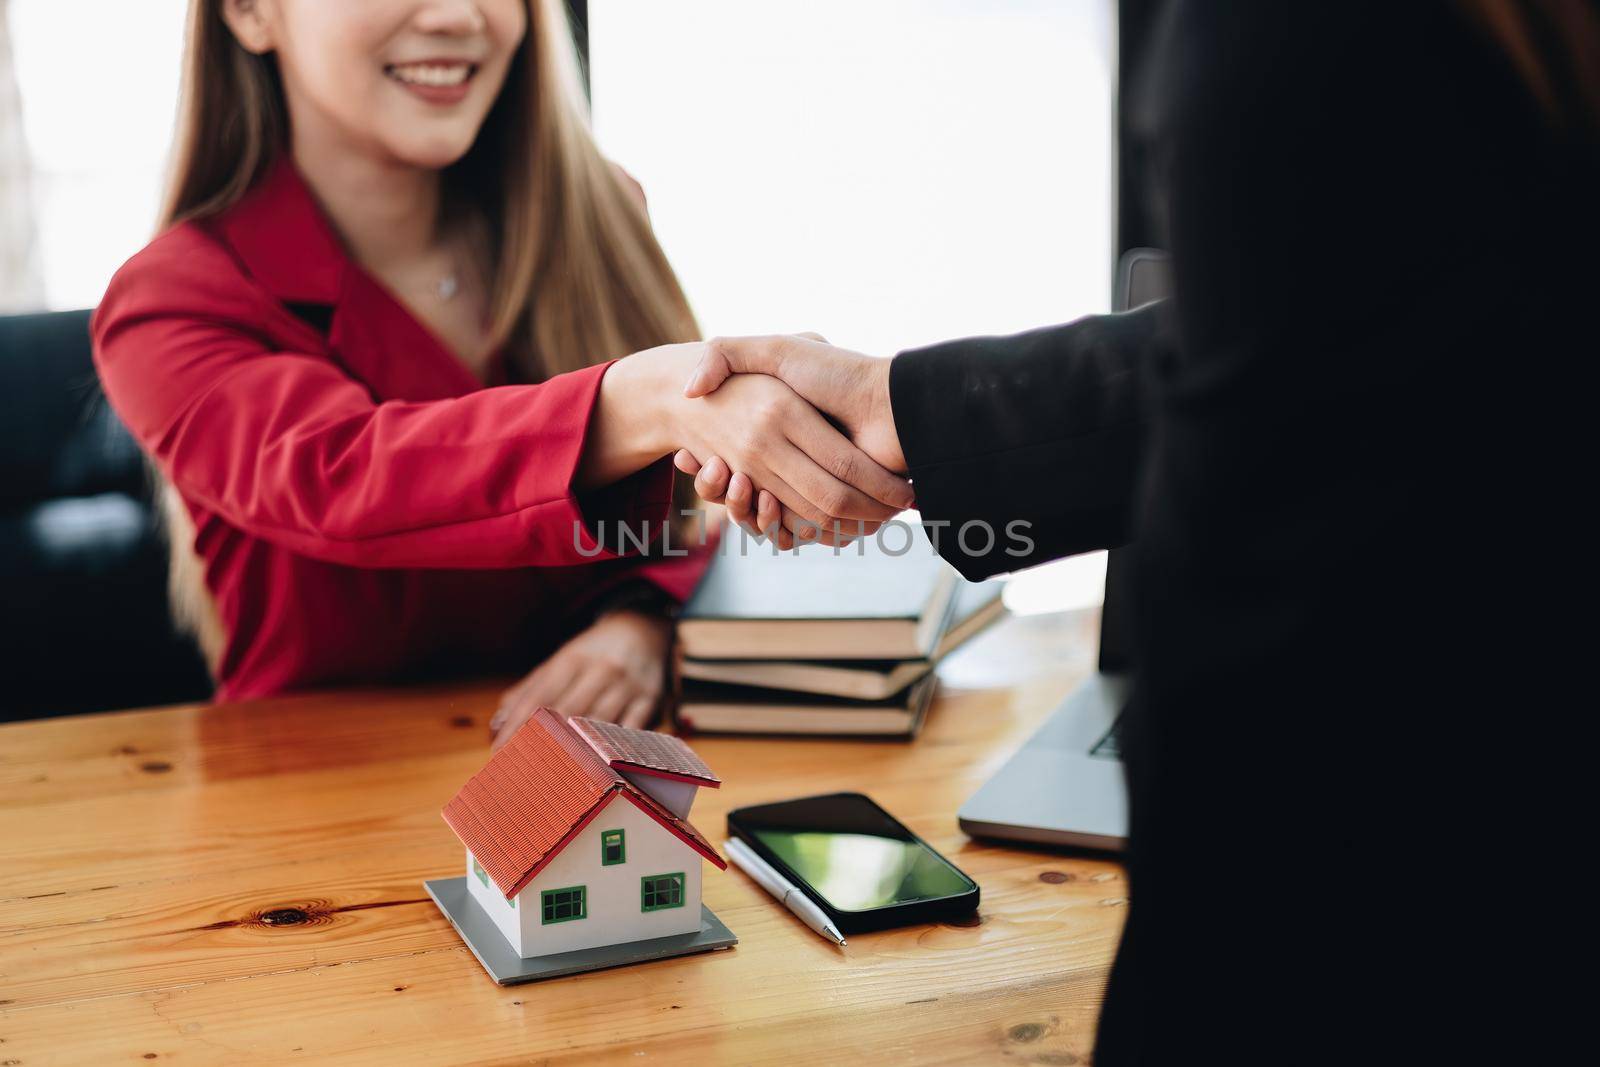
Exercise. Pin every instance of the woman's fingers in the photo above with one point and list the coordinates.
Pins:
(514, 718)
(779, 490)
(787, 447)
(791, 450)
(712, 481)
(556, 675)
(610, 704)
(769, 519)
(835, 534)
(741, 502)
(768, 514)
(519, 695)
(738, 497)
(639, 711)
(741, 498)
(577, 700)
(684, 460)
(600, 672)
(501, 714)
(834, 531)
(508, 700)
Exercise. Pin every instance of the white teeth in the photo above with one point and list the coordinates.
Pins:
(430, 74)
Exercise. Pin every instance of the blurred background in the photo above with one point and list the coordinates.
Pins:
(887, 172)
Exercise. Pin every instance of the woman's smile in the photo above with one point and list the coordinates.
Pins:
(438, 81)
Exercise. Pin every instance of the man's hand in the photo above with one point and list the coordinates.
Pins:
(614, 671)
(851, 388)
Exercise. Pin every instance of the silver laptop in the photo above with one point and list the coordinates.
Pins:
(1065, 786)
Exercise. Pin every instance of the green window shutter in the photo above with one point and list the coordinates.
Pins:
(564, 905)
(659, 891)
(477, 869)
(613, 848)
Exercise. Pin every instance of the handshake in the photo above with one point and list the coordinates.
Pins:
(795, 436)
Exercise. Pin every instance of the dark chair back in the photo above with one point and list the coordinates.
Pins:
(84, 624)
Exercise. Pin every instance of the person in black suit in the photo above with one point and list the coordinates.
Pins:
(1344, 457)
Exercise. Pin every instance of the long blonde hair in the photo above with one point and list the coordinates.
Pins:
(577, 275)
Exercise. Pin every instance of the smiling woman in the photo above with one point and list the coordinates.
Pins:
(374, 355)
(439, 81)
(341, 63)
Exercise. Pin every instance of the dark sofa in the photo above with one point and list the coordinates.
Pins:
(84, 624)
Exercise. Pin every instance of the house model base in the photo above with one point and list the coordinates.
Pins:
(487, 943)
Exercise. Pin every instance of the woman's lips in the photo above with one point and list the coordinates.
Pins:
(436, 81)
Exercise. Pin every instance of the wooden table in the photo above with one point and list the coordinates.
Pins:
(244, 883)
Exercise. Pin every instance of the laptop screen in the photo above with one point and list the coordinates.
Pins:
(1143, 275)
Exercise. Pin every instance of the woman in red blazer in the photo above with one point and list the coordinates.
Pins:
(374, 356)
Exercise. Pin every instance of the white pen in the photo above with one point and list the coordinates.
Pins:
(788, 894)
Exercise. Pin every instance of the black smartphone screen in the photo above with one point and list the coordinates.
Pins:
(850, 853)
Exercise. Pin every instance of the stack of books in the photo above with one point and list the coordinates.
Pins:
(823, 641)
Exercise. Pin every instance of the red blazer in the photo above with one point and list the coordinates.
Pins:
(364, 507)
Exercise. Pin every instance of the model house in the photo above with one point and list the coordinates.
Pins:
(577, 835)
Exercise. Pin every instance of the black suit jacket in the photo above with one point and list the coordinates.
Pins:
(1347, 457)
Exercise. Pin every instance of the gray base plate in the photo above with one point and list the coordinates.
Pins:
(487, 943)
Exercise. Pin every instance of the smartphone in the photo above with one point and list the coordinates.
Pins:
(864, 868)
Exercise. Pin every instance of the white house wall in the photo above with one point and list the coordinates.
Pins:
(614, 916)
(496, 906)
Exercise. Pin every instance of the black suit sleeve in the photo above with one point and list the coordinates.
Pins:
(1026, 448)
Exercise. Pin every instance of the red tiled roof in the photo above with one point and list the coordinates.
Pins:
(646, 752)
(536, 794)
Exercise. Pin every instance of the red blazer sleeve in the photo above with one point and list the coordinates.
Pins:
(288, 447)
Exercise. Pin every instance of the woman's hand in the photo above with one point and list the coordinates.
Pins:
(850, 387)
(757, 424)
(614, 671)
(757, 510)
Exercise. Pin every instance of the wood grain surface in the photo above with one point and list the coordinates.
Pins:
(243, 884)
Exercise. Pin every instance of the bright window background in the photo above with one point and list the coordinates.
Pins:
(888, 172)
(99, 87)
